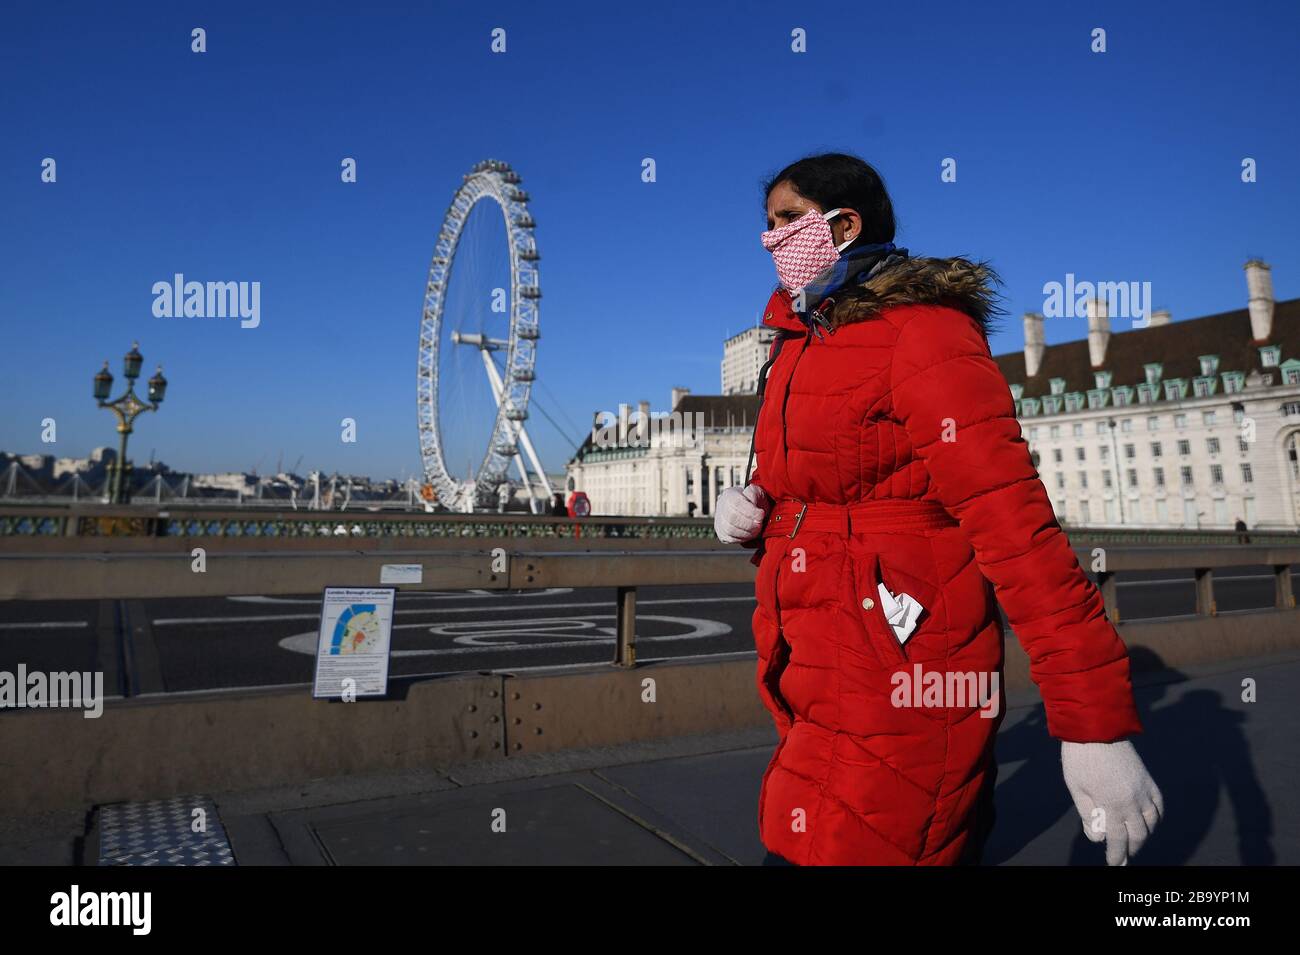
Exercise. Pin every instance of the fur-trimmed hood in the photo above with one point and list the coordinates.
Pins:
(956, 282)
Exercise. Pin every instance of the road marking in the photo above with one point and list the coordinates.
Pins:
(423, 595)
(306, 643)
(46, 625)
(167, 621)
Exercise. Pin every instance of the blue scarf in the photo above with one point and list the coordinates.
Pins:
(856, 265)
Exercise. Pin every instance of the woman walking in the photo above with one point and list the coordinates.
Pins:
(893, 500)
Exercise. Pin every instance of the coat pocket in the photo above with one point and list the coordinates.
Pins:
(880, 635)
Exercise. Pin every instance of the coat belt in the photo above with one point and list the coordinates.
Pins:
(788, 517)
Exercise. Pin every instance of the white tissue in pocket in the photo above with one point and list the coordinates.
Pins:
(901, 611)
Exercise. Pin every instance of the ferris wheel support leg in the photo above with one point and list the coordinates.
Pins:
(532, 456)
(494, 380)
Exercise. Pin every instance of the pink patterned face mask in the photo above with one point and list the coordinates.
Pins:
(803, 249)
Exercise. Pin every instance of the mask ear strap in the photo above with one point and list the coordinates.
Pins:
(830, 215)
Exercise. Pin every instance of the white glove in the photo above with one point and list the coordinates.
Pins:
(1115, 795)
(738, 515)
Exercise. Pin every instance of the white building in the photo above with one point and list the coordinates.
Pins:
(657, 470)
(742, 359)
(1190, 424)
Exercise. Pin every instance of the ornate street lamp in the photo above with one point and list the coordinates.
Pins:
(127, 408)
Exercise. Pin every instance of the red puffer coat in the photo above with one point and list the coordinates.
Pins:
(898, 432)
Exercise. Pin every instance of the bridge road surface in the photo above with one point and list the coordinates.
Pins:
(172, 645)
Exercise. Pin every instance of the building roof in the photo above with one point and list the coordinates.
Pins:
(721, 410)
(1177, 346)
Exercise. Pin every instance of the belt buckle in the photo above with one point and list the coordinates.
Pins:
(798, 518)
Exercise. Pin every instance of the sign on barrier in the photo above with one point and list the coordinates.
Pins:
(353, 644)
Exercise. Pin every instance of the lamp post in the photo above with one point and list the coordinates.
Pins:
(127, 408)
(1119, 473)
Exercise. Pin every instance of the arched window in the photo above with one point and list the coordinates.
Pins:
(1293, 454)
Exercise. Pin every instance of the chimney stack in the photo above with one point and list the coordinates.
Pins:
(1098, 331)
(1259, 285)
(1035, 343)
(1161, 316)
(677, 394)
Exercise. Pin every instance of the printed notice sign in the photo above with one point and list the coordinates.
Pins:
(401, 574)
(356, 627)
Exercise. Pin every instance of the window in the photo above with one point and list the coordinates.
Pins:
(1293, 454)
(1033, 433)
(1238, 412)
(1156, 449)
(1129, 452)
(1085, 514)
(1247, 475)
(1132, 477)
(1058, 386)
(1159, 474)
(1051, 404)
(1081, 453)
(1204, 387)
(1243, 445)
(1105, 479)
(1180, 421)
(1104, 449)
(1212, 445)
(1270, 355)
(1153, 370)
(1162, 511)
(1233, 382)
(1083, 479)
(1112, 512)
(1209, 364)
(1290, 408)
(1097, 398)
(1147, 394)
(1074, 401)
(1184, 447)
(1175, 389)
(1101, 426)
(1055, 432)
(1030, 407)
(1056, 455)
(1126, 425)
(1291, 376)
(1123, 395)
(1101, 379)
(1017, 391)
(1185, 473)
(1153, 423)
(1060, 481)
(1216, 473)
(1077, 430)
(1208, 418)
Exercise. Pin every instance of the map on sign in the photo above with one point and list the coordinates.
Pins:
(357, 630)
(353, 643)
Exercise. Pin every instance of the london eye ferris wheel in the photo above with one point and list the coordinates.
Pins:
(481, 299)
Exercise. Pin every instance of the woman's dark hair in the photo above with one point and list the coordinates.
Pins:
(838, 179)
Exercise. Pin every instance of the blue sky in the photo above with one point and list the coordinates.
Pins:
(224, 166)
